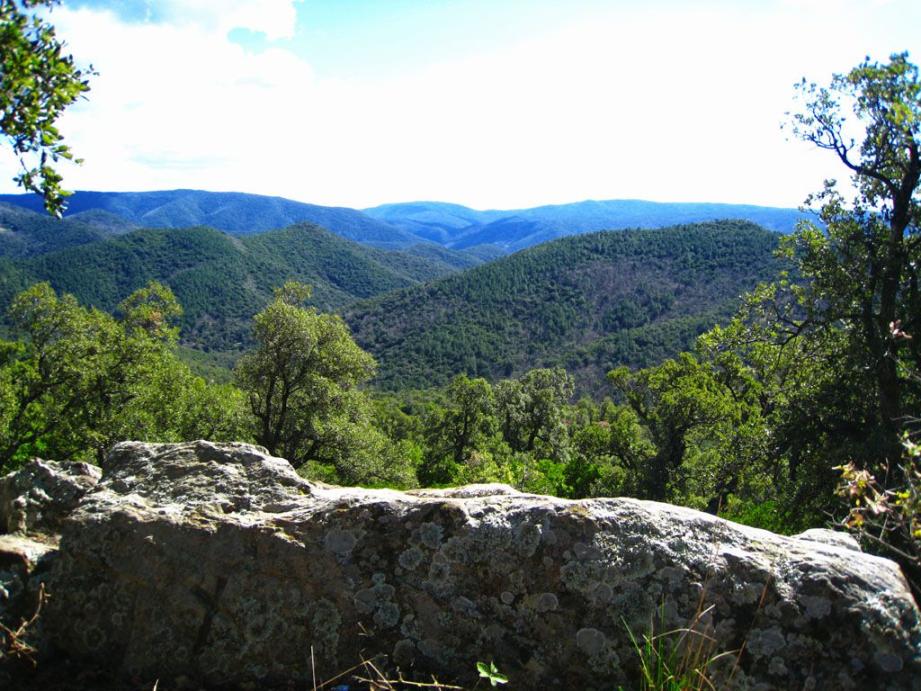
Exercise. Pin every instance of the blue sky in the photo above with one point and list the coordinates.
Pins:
(489, 103)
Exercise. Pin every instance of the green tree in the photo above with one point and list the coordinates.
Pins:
(301, 381)
(81, 379)
(458, 429)
(810, 398)
(860, 271)
(610, 454)
(531, 411)
(690, 416)
(823, 355)
(37, 82)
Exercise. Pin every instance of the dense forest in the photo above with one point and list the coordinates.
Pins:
(585, 303)
(221, 280)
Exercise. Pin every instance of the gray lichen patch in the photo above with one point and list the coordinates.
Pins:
(340, 542)
(547, 602)
(410, 558)
(325, 623)
(430, 535)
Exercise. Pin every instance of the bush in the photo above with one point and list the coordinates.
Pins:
(888, 521)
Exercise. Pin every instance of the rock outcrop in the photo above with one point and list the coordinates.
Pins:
(40, 494)
(219, 564)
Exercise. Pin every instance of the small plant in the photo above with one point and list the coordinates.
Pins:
(888, 519)
(492, 673)
(13, 643)
(677, 660)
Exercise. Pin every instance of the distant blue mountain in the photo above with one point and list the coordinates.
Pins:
(436, 221)
(397, 226)
(459, 227)
(233, 212)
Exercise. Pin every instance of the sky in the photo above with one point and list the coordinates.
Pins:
(487, 103)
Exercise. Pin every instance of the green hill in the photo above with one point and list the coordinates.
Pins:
(222, 280)
(588, 302)
(25, 233)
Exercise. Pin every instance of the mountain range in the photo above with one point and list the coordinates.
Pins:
(486, 234)
(459, 227)
(427, 311)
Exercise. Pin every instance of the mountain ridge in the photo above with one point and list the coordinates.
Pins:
(400, 225)
(516, 229)
(238, 213)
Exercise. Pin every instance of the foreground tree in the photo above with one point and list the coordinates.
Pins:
(457, 430)
(37, 82)
(530, 411)
(692, 419)
(827, 348)
(860, 272)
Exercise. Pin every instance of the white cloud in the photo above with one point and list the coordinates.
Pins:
(275, 18)
(174, 92)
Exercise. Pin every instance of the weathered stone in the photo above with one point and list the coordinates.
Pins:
(217, 563)
(834, 538)
(41, 493)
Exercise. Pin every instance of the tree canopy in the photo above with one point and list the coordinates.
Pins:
(302, 383)
(80, 379)
(37, 82)
(860, 272)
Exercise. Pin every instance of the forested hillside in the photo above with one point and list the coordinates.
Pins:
(222, 280)
(25, 233)
(588, 303)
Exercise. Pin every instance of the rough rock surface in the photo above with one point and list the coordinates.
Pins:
(833, 538)
(37, 496)
(219, 564)
(24, 563)
(34, 500)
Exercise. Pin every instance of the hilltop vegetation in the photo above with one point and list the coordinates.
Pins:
(25, 233)
(222, 281)
(588, 303)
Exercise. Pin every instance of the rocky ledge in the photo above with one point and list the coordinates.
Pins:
(217, 565)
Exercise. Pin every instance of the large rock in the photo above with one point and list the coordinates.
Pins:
(217, 563)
